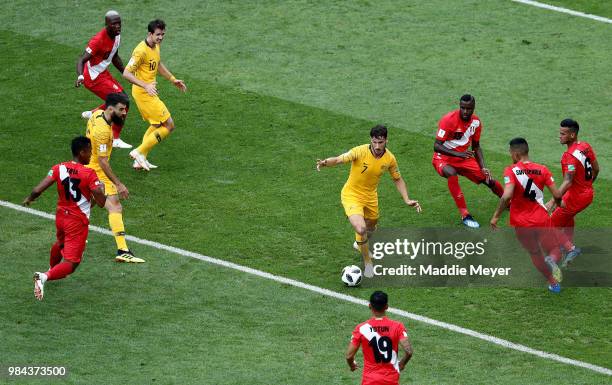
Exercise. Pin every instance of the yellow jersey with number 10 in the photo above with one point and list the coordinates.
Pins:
(144, 62)
(366, 171)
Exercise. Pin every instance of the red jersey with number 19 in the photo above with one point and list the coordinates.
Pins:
(74, 185)
(529, 179)
(379, 339)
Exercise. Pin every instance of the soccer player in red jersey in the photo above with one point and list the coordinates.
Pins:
(92, 68)
(76, 184)
(525, 181)
(580, 169)
(457, 130)
(380, 338)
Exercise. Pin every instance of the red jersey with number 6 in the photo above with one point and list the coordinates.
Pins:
(579, 159)
(379, 339)
(527, 208)
(74, 185)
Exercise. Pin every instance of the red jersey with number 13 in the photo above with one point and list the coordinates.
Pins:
(529, 179)
(379, 338)
(74, 185)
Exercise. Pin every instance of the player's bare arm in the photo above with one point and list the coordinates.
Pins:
(98, 195)
(407, 348)
(118, 63)
(568, 177)
(400, 184)
(480, 159)
(151, 88)
(105, 166)
(350, 356)
(328, 162)
(439, 147)
(163, 71)
(503, 204)
(38, 190)
(79, 67)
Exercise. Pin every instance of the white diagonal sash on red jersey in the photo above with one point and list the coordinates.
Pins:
(580, 156)
(97, 69)
(83, 203)
(450, 144)
(523, 179)
(369, 334)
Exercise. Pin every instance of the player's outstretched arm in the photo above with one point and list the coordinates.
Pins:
(38, 190)
(503, 204)
(350, 356)
(163, 70)
(328, 162)
(79, 68)
(407, 348)
(400, 184)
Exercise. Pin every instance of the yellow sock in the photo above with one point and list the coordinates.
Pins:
(152, 139)
(147, 133)
(115, 220)
(363, 248)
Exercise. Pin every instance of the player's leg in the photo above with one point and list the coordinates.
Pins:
(115, 221)
(562, 220)
(361, 236)
(155, 111)
(529, 239)
(55, 254)
(449, 172)
(471, 169)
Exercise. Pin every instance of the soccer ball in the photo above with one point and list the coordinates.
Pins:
(351, 275)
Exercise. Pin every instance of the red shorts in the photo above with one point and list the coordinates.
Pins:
(378, 380)
(537, 240)
(72, 233)
(104, 84)
(564, 216)
(469, 167)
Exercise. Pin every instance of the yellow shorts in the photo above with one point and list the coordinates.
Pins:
(151, 108)
(352, 206)
(109, 186)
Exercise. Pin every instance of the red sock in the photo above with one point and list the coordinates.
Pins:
(498, 189)
(60, 271)
(538, 262)
(457, 194)
(55, 256)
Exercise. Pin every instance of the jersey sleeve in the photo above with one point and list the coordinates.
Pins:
(351, 155)
(138, 56)
(548, 177)
(356, 337)
(394, 169)
(569, 163)
(103, 141)
(93, 46)
(476, 137)
(508, 176)
(54, 173)
(401, 332)
(445, 129)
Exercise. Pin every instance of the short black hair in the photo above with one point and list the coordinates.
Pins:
(571, 124)
(115, 98)
(378, 131)
(379, 300)
(519, 145)
(156, 24)
(467, 98)
(78, 144)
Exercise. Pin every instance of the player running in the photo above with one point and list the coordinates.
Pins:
(141, 71)
(525, 181)
(92, 68)
(76, 185)
(580, 169)
(457, 130)
(360, 192)
(100, 132)
(380, 339)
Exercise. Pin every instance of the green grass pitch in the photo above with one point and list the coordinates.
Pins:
(273, 86)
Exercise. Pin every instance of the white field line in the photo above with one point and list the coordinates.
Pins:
(564, 10)
(332, 294)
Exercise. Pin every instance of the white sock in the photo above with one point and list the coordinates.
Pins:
(43, 277)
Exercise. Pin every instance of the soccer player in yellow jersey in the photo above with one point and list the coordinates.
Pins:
(359, 195)
(100, 133)
(141, 71)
